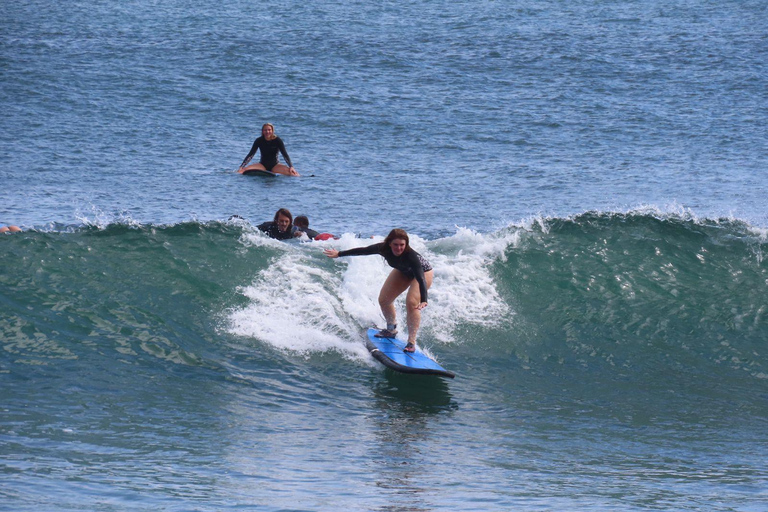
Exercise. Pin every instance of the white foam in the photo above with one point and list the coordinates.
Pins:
(293, 306)
(463, 290)
(100, 219)
(307, 303)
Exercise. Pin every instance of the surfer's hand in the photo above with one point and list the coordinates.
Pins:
(293, 171)
(421, 306)
(331, 253)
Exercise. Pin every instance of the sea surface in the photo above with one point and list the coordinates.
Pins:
(588, 179)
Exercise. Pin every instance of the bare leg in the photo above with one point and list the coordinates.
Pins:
(413, 299)
(252, 167)
(395, 284)
(284, 169)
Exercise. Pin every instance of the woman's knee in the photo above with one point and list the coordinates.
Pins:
(384, 301)
(386, 297)
(414, 297)
(412, 302)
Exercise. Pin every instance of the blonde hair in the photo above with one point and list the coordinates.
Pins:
(273, 129)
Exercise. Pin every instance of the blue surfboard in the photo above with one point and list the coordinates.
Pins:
(389, 352)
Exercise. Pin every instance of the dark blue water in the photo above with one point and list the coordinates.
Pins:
(587, 179)
(140, 110)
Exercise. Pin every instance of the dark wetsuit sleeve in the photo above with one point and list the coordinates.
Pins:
(408, 263)
(363, 251)
(251, 153)
(272, 231)
(418, 273)
(283, 152)
(311, 233)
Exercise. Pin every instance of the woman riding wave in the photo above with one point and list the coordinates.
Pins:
(410, 271)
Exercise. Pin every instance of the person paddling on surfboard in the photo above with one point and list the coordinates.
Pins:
(269, 144)
(301, 225)
(410, 272)
(280, 227)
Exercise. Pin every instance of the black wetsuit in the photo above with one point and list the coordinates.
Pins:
(269, 149)
(410, 263)
(272, 231)
(311, 233)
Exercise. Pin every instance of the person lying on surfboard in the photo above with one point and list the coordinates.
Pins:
(410, 272)
(301, 225)
(281, 227)
(269, 144)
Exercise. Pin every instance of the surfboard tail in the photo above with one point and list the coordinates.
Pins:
(389, 352)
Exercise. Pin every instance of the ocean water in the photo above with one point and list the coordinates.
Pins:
(587, 178)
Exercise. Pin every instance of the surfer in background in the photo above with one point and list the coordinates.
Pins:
(410, 272)
(301, 225)
(280, 228)
(269, 144)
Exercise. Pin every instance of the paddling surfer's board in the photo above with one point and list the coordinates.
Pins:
(389, 352)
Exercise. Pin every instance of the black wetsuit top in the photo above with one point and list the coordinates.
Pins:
(272, 231)
(269, 149)
(311, 233)
(410, 263)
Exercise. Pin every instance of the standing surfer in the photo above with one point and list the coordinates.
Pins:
(269, 144)
(410, 272)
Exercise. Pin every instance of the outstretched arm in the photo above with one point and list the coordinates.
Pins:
(357, 251)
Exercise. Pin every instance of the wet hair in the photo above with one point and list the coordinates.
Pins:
(285, 213)
(273, 129)
(301, 221)
(397, 234)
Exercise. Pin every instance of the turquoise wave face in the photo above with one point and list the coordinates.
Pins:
(603, 339)
(135, 294)
(631, 297)
(667, 302)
